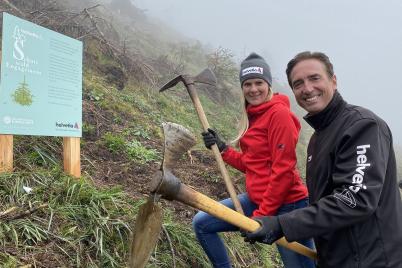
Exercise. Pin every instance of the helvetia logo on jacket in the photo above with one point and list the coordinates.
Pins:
(346, 197)
(361, 165)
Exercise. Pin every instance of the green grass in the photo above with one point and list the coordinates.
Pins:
(8, 261)
(187, 252)
(82, 225)
(80, 220)
(88, 226)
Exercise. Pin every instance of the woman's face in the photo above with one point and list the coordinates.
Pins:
(256, 91)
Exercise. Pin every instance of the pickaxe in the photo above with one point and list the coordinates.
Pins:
(170, 187)
(206, 77)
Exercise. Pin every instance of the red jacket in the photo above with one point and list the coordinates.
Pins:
(268, 156)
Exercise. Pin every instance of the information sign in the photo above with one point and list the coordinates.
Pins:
(41, 81)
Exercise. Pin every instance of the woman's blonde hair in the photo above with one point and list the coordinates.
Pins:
(243, 122)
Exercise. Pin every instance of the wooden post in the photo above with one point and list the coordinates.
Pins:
(71, 156)
(6, 153)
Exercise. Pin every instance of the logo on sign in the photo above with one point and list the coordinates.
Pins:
(67, 125)
(17, 120)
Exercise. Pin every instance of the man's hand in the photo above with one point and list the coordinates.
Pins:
(268, 233)
(211, 137)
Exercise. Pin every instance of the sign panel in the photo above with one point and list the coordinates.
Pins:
(41, 81)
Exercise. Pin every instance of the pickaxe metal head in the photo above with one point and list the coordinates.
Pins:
(205, 77)
(178, 140)
(166, 184)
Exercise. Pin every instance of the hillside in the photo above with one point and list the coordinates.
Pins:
(65, 222)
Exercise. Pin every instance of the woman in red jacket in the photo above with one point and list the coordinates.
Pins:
(267, 138)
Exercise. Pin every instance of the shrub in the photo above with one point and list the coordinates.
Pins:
(114, 143)
(136, 151)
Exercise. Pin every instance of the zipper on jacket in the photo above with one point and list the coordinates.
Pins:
(355, 248)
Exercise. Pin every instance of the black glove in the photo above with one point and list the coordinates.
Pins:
(268, 233)
(211, 137)
(400, 184)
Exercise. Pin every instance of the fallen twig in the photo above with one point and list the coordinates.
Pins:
(170, 244)
(8, 211)
(26, 212)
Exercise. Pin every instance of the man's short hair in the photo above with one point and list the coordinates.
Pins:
(306, 55)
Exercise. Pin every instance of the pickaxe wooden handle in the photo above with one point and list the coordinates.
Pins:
(214, 148)
(206, 77)
(170, 187)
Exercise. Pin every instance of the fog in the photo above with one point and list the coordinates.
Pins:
(362, 38)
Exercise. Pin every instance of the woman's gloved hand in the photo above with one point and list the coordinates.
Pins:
(211, 137)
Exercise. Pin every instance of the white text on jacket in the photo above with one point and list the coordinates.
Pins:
(361, 164)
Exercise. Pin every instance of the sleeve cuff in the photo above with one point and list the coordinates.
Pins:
(288, 228)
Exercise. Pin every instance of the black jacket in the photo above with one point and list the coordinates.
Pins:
(355, 214)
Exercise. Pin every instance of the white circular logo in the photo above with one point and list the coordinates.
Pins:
(7, 120)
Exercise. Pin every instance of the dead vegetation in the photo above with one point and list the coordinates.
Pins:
(87, 24)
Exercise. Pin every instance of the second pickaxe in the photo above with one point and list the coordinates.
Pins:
(206, 77)
(170, 187)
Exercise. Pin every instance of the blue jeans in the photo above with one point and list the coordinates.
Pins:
(207, 227)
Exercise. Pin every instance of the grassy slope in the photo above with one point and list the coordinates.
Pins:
(84, 223)
(88, 222)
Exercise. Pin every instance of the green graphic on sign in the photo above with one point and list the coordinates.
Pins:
(22, 94)
(41, 81)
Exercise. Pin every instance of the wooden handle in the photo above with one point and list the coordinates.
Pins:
(202, 202)
(215, 150)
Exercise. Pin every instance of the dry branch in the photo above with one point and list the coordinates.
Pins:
(7, 217)
(84, 25)
(7, 211)
(13, 7)
(170, 244)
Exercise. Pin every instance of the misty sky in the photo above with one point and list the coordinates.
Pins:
(363, 39)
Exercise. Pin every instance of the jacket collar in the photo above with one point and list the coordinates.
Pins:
(277, 99)
(322, 119)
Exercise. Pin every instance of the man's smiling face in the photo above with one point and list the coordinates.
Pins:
(312, 86)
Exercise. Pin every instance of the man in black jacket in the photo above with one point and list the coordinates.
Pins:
(355, 212)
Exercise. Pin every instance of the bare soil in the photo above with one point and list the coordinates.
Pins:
(197, 169)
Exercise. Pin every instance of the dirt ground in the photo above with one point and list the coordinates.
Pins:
(197, 169)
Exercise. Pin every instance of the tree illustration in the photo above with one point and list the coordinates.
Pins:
(22, 95)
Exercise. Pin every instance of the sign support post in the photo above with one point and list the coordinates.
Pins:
(6, 153)
(71, 156)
